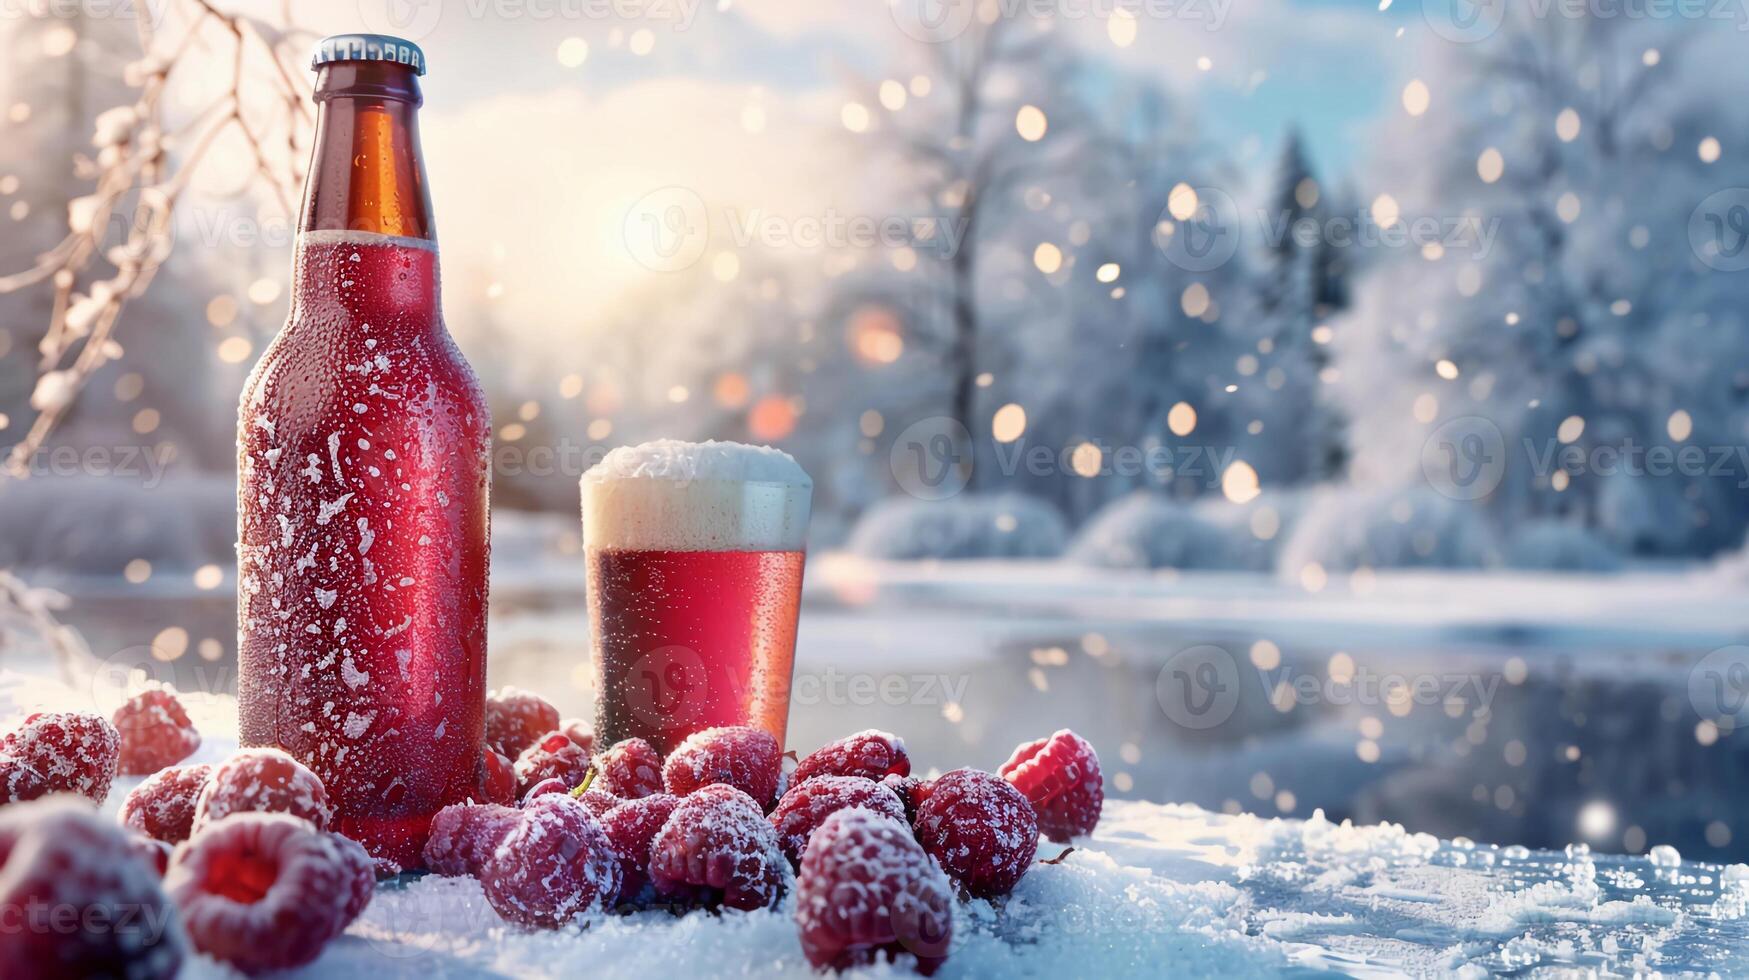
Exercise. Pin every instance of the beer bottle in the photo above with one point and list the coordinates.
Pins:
(363, 449)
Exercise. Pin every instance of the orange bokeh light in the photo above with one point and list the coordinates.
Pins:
(771, 419)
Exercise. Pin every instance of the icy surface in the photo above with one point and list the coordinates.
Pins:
(1157, 888)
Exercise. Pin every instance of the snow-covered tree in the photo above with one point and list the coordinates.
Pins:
(1564, 160)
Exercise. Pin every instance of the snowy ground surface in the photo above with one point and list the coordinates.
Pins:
(1158, 889)
(1162, 890)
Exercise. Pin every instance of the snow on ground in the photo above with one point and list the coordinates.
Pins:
(1158, 889)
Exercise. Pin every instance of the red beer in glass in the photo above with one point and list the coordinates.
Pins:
(695, 555)
(363, 479)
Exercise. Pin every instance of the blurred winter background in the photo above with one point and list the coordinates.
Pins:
(1317, 403)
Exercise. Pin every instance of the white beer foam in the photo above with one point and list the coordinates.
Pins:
(689, 496)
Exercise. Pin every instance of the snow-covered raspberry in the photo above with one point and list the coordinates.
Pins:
(872, 754)
(910, 790)
(980, 828)
(516, 719)
(464, 835)
(554, 865)
(629, 769)
(263, 891)
(551, 784)
(154, 853)
(264, 781)
(579, 732)
(632, 827)
(497, 779)
(598, 801)
(56, 854)
(19, 781)
(155, 732)
(554, 756)
(808, 804)
(718, 849)
(363, 882)
(1060, 777)
(748, 759)
(75, 751)
(162, 807)
(866, 890)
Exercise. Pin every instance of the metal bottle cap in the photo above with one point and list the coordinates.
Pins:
(368, 47)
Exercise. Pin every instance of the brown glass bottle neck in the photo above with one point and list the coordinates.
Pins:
(366, 172)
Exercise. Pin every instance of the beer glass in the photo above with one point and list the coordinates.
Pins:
(695, 579)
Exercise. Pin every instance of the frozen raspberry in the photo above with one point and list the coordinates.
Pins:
(155, 732)
(717, 848)
(155, 853)
(497, 780)
(631, 827)
(464, 835)
(555, 756)
(58, 854)
(555, 864)
(162, 807)
(551, 784)
(19, 781)
(866, 889)
(579, 731)
(808, 804)
(980, 828)
(363, 883)
(598, 801)
(629, 769)
(910, 790)
(746, 758)
(872, 754)
(1060, 777)
(75, 751)
(262, 891)
(517, 719)
(262, 780)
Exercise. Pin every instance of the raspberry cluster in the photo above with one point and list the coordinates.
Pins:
(242, 850)
(232, 859)
(873, 855)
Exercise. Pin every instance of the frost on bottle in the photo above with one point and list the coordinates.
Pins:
(363, 444)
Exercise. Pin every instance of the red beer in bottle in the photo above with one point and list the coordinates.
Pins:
(363, 478)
